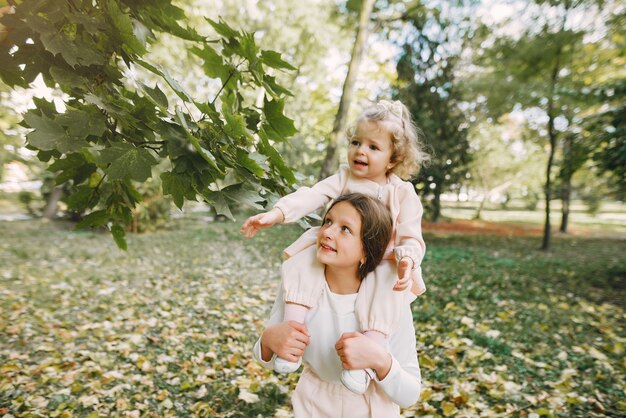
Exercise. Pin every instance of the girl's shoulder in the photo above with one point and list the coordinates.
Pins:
(401, 185)
(405, 191)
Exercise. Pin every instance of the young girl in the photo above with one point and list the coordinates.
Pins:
(350, 243)
(383, 146)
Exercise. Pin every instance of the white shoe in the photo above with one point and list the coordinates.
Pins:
(283, 366)
(356, 380)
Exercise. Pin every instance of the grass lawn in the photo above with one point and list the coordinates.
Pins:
(166, 329)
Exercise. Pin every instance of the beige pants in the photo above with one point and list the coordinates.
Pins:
(378, 306)
(316, 398)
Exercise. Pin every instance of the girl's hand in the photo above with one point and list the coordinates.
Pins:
(287, 340)
(263, 220)
(404, 274)
(356, 351)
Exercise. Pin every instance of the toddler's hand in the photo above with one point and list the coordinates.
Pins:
(404, 274)
(263, 220)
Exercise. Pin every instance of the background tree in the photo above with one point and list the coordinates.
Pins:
(427, 84)
(330, 161)
(113, 131)
(502, 163)
(532, 72)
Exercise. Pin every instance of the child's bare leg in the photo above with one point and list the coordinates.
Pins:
(303, 281)
(295, 312)
(376, 336)
(377, 308)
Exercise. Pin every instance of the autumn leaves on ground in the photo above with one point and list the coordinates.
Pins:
(166, 329)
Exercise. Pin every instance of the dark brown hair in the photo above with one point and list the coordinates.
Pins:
(376, 227)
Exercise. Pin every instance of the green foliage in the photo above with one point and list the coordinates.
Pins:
(607, 133)
(555, 66)
(115, 128)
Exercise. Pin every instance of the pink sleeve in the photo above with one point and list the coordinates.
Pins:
(305, 200)
(409, 241)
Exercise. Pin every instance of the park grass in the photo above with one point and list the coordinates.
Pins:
(166, 329)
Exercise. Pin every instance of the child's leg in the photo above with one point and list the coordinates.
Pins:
(303, 281)
(307, 239)
(295, 312)
(378, 306)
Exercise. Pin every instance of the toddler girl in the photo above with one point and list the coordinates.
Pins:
(384, 146)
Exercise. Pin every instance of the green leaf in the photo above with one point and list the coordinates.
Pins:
(74, 167)
(73, 52)
(94, 219)
(236, 126)
(196, 144)
(277, 125)
(127, 161)
(157, 95)
(238, 193)
(178, 186)
(123, 23)
(274, 89)
(247, 47)
(273, 59)
(244, 160)
(49, 135)
(64, 77)
(217, 200)
(80, 123)
(214, 66)
(163, 17)
(162, 72)
(118, 235)
(274, 157)
(222, 28)
(81, 199)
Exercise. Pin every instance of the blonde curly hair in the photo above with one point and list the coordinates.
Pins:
(408, 149)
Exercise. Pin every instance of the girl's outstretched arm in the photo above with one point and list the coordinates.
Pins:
(305, 200)
(263, 220)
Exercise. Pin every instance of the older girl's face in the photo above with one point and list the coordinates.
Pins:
(339, 239)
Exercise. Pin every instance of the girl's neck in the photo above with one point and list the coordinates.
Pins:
(342, 281)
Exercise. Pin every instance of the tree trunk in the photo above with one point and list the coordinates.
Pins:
(552, 135)
(50, 211)
(566, 185)
(480, 207)
(546, 228)
(436, 205)
(330, 161)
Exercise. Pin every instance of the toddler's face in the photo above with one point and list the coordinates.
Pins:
(370, 151)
